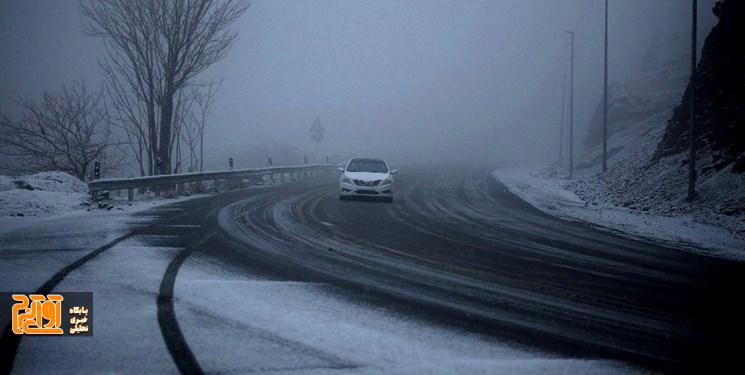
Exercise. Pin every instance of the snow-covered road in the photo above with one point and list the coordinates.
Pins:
(235, 321)
(238, 305)
(238, 323)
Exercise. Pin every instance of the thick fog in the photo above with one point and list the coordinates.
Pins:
(406, 80)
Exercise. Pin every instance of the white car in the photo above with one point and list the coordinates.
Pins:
(366, 178)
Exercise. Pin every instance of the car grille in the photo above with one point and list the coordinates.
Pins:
(366, 183)
(365, 191)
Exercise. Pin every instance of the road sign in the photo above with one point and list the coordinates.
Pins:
(317, 131)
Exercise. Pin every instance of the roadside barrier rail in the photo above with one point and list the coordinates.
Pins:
(169, 181)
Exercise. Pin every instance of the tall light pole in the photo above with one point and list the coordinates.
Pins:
(571, 108)
(605, 93)
(692, 123)
(563, 116)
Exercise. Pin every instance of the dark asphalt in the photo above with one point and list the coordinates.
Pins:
(459, 247)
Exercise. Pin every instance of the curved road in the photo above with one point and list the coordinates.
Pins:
(455, 247)
(460, 246)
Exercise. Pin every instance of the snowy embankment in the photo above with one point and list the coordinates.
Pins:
(41, 194)
(638, 194)
(32, 200)
(555, 195)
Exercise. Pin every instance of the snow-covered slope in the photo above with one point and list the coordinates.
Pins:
(637, 182)
(41, 194)
(640, 194)
(557, 196)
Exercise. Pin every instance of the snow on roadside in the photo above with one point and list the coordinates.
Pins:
(236, 321)
(34, 248)
(56, 181)
(41, 194)
(58, 200)
(6, 183)
(553, 196)
(50, 194)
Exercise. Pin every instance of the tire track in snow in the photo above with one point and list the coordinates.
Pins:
(9, 341)
(453, 242)
(172, 335)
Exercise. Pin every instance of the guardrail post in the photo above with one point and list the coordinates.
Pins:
(157, 190)
(130, 194)
(94, 195)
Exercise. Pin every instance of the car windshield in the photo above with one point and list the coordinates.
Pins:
(367, 165)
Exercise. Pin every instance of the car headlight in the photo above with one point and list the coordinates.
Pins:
(387, 181)
(346, 180)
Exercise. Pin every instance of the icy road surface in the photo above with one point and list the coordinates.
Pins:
(456, 276)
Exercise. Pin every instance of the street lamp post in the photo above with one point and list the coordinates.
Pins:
(692, 108)
(563, 116)
(605, 93)
(571, 108)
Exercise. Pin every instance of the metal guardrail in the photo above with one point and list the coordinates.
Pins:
(157, 183)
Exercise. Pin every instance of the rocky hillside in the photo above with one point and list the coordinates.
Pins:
(648, 160)
(720, 98)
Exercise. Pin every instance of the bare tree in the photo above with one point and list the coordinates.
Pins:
(156, 47)
(203, 98)
(185, 99)
(191, 138)
(130, 116)
(64, 131)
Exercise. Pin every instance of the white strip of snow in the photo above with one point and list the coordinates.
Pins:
(550, 195)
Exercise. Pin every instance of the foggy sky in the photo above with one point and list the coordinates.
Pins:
(411, 81)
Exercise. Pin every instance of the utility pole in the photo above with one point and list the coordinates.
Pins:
(692, 123)
(571, 109)
(605, 93)
(563, 116)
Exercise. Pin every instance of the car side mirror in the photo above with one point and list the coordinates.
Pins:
(394, 171)
(340, 169)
